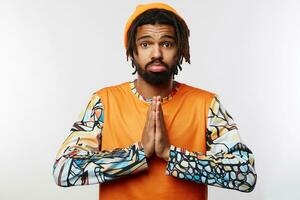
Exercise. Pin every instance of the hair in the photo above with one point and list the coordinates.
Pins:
(161, 16)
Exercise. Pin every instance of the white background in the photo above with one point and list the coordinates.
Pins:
(54, 54)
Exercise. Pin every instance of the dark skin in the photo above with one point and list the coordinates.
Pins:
(153, 42)
(155, 136)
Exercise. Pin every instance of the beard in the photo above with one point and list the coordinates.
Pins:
(155, 78)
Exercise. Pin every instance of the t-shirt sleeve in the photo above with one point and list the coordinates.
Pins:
(80, 159)
(228, 162)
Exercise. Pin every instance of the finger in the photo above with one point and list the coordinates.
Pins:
(149, 117)
(159, 107)
(148, 111)
(158, 101)
(152, 115)
(154, 102)
(158, 116)
(158, 98)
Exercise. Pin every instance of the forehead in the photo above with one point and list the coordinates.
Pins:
(155, 31)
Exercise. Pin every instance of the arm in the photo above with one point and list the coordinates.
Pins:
(79, 161)
(228, 163)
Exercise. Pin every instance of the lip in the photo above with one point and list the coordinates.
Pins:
(157, 67)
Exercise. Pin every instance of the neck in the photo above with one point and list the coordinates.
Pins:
(148, 91)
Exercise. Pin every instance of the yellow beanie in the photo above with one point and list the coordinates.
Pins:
(141, 9)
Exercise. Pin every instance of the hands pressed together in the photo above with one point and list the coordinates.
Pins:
(155, 137)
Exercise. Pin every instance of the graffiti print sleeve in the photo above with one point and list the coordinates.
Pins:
(228, 162)
(80, 160)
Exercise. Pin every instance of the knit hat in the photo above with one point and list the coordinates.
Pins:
(140, 9)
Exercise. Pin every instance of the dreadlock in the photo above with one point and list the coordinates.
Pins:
(161, 16)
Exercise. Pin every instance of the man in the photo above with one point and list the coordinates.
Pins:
(153, 137)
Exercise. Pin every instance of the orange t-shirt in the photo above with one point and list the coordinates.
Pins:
(185, 118)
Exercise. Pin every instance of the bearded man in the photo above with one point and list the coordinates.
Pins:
(154, 137)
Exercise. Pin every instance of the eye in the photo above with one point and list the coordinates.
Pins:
(167, 44)
(144, 45)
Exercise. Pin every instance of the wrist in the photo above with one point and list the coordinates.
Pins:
(166, 154)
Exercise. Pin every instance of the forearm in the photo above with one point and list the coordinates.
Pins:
(233, 170)
(80, 167)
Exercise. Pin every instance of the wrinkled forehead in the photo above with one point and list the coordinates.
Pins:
(155, 31)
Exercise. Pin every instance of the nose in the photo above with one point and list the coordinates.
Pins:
(156, 52)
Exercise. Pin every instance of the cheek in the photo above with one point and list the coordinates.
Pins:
(140, 59)
(143, 56)
(171, 57)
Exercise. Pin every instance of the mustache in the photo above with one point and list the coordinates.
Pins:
(157, 61)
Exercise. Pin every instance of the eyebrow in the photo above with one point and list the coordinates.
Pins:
(148, 36)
